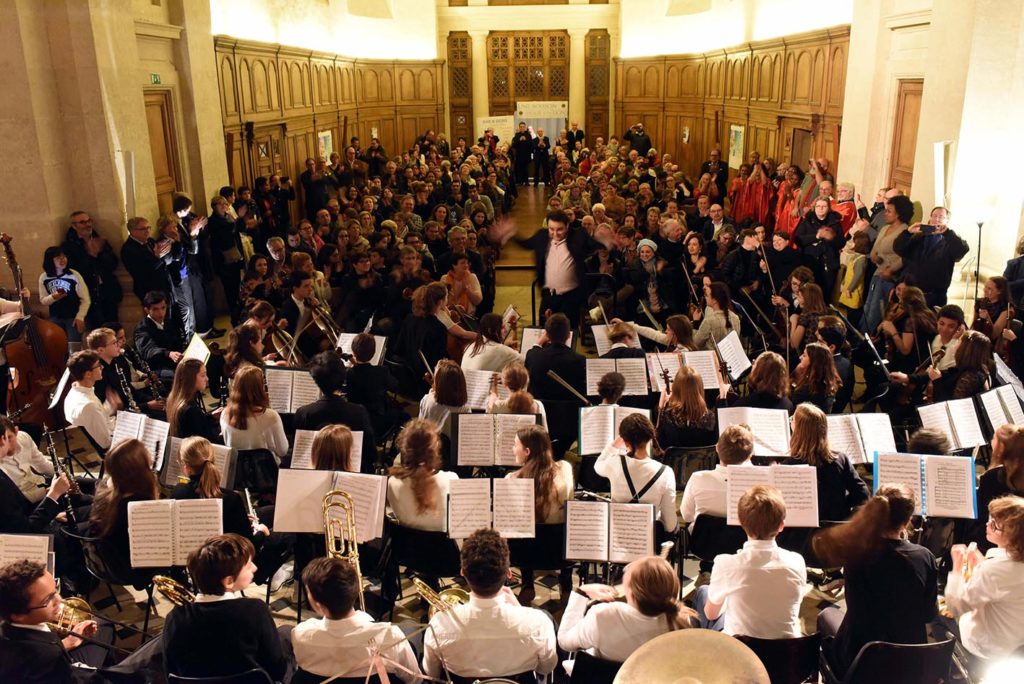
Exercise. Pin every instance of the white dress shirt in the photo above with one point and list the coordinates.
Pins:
(493, 357)
(82, 408)
(560, 270)
(662, 494)
(263, 431)
(403, 503)
(705, 494)
(441, 414)
(761, 588)
(490, 637)
(947, 361)
(608, 630)
(28, 467)
(345, 648)
(990, 605)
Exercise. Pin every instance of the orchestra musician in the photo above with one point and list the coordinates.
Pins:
(186, 408)
(82, 408)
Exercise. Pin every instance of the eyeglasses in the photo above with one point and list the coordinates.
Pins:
(996, 527)
(89, 220)
(49, 599)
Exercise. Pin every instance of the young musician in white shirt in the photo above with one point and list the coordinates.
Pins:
(82, 408)
(492, 635)
(22, 461)
(705, 492)
(417, 488)
(951, 327)
(756, 591)
(344, 641)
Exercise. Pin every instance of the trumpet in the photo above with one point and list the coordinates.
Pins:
(340, 533)
(440, 602)
(173, 590)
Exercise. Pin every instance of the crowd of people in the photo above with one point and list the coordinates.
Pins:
(395, 256)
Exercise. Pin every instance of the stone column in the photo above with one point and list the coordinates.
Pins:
(481, 91)
(577, 77)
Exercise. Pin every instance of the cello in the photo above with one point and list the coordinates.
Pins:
(38, 356)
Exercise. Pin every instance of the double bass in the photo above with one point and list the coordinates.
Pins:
(38, 355)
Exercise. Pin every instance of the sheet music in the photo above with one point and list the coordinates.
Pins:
(704, 362)
(586, 530)
(173, 474)
(1008, 376)
(154, 435)
(506, 427)
(670, 361)
(994, 410)
(900, 469)
(620, 414)
(596, 369)
(476, 439)
(478, 388)
(33, 547)
(769, 426)
(732, 352)
(302, 450)
(368, 493)
(151, 533)
(509, 319)
(949, 487)
(469, 506)
(197, 349)
(799, 487)
(844, 436)
(875, 433)
(965, 423)
(304, 390)
(345, 345)
(127, 425)
(631, 532)
(635, 372)
(300, 496)
(531, 338)
(1012, 404)
(355, 457)
(195, 521)
(514, 508)
(279, 387)
(936, 417)
(597, 428)
(740, 479)
(604, 344)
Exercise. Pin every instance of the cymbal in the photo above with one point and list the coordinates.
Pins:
(691, 656)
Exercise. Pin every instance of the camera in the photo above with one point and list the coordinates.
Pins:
(927, 229)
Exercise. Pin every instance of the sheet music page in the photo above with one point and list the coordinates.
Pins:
(934, 416)
(732, 351)
(127, 425)
(222, 457)
(844, 436)
(799, 487)
(631, 533)
(279, 387)
(300, 498)
(155, 434)
(596, 368)
(355, 458)
(304, 390)
(601, 339)
(635, 372)
(476, 441)
(597, 428)
(1012, 404)
(173, 474)
(620, 414)
(197, 349)
(900, 469)
(740, 479)
(151, 533)
(478, 388)
(875, 433)
(195, 521)
(949, 487)
(469, 506)
(345, 345)
(508, 317)
(33, 547)
(964, 417)
(704, 362)
(302, 450)
(769, 426)
(656, 361)
(586, 530)
(1009, 377)
(514, 508)
(368, 492)
(507, 425)
(993, 407)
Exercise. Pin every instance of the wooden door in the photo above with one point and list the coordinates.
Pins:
(904, 135)
(802, 148)
(163, 148)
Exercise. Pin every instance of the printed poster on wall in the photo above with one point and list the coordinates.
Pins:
(325, 143)
(735, 146)
(503, 126)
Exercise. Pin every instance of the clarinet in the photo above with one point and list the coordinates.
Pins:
(156, 386)
(126, 388)
(58, 471)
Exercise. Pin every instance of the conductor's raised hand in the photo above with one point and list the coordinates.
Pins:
(502, 230)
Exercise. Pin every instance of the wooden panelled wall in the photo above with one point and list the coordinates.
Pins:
(276, 99)
(772, 88)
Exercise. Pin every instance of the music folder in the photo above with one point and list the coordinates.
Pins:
(510, 509)
(943, 485)
(601, 531)
(486, 439)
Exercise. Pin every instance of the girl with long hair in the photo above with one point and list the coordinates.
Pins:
(516, 379)
(186, 410)
(248, 422)
(678, 335)
(840, 489)
(417, 488)
(685, 420)
(718, 319)
(64, 290)
(768, 384)
(890, 583)
(245, 348)
(1006, 478)
(802, 326)
(968, 378)
(911, 334)
(815, 379)
(488, 351)
(447, 396)
(992, 310)
(332, 449)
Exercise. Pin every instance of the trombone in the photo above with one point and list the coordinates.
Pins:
(340, 533)
(173, 590)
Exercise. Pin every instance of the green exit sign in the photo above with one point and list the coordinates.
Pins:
(154, 79)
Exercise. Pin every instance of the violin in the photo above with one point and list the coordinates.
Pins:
(1002, 345)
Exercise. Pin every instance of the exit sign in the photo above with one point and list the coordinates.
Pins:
(154, 79)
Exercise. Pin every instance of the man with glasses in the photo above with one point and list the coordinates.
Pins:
(93, 257)
(82, 408)
(144, 258)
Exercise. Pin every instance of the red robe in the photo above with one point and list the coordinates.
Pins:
(847, 215)
(753, 200)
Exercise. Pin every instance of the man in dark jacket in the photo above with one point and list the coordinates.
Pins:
(93, 257)
(638, 139)
(144, 259)
(555, 354)
(522, 150)
(930, 252)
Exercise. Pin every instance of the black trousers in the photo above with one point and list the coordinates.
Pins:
(568, 303)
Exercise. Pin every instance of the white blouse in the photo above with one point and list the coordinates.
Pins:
(441, 414)
(264, 431)
(403, 503)
(990, 605)
(608, 630)
(493, 357)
